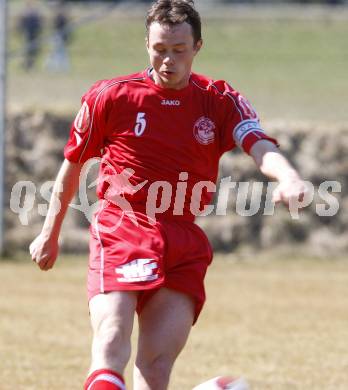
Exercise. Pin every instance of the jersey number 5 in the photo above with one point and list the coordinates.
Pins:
(140, 124)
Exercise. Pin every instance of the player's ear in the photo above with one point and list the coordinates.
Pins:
(198, 46)
(147, 42)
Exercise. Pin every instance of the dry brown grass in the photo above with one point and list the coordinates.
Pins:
(281, 324)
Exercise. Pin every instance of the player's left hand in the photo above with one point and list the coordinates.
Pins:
(290, 191)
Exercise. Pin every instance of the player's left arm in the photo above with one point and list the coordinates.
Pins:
(249, 136)
(276, 166)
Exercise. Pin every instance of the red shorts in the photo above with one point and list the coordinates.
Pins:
(135, 255)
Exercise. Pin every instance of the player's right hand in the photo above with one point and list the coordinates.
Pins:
(44, 252)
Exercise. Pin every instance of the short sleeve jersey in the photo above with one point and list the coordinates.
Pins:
(157, 134)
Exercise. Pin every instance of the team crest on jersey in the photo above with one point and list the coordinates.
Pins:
(83, 119)
(203, 130)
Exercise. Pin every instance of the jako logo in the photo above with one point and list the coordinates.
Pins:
(170, 102)
(139, 270)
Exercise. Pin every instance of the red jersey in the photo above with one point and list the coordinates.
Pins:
(146, 134)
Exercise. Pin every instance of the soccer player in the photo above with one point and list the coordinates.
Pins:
(160, 134)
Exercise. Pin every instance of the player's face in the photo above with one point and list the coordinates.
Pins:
(171, 50)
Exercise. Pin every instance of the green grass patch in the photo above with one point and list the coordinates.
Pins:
(294, 70)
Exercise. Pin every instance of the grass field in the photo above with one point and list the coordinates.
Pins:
(290, 69)
(281, 324)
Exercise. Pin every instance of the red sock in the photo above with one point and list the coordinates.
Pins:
(105, 380)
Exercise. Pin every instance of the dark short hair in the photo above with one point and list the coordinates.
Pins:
(174, 12)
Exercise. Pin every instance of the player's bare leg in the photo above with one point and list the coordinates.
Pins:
(164, 326)
(112, 317)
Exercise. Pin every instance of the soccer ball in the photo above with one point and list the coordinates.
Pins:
(223, 383)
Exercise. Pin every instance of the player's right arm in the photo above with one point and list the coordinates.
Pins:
(44, 249)
(85, 142)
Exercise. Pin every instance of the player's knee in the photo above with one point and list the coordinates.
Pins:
(111, 343)
(156, 371)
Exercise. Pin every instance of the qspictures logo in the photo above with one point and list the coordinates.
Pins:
(249, 198)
